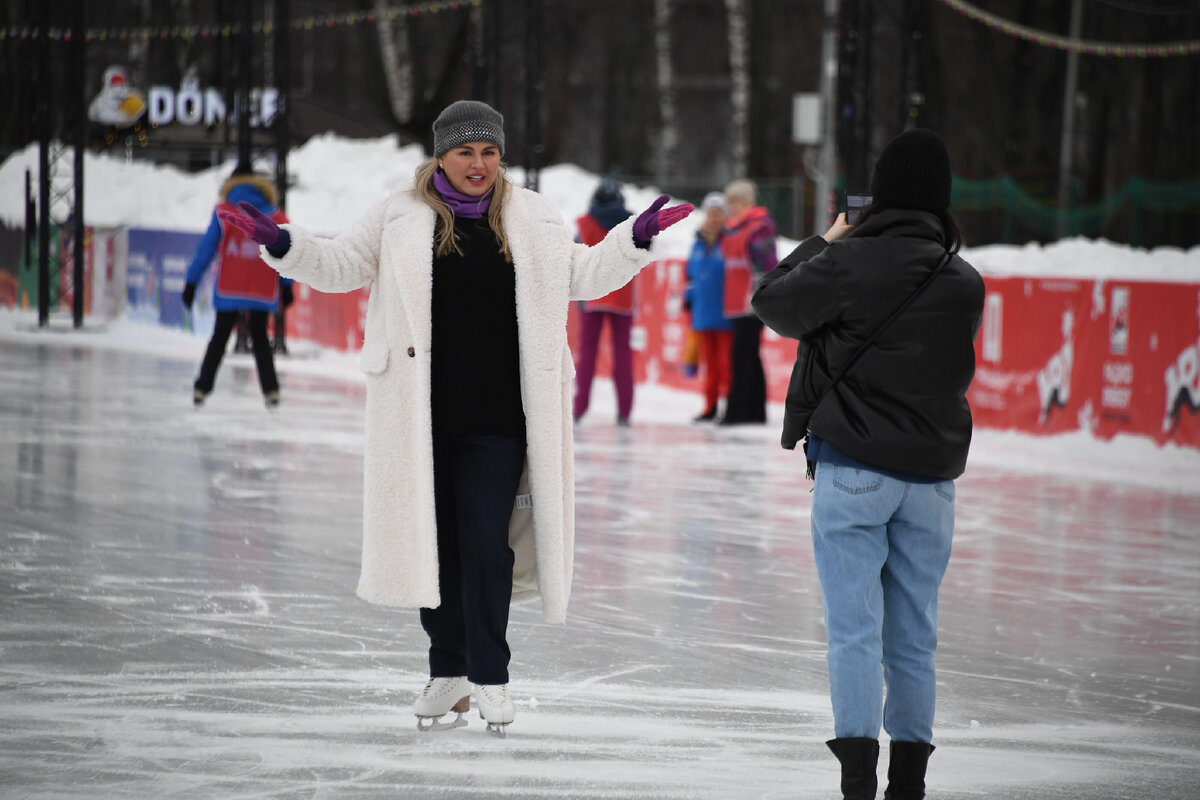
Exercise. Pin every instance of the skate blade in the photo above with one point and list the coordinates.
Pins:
(497, 729)
(427, 724)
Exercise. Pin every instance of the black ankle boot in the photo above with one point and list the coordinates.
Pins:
(906, 770)
(858, 757)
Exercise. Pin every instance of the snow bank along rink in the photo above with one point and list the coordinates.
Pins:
(177, 610)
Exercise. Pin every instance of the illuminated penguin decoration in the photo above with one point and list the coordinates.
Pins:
(117, 104)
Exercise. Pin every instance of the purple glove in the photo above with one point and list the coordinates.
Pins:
(652, 221)
(257, 226)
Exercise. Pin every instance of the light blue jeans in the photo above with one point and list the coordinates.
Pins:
(881, 548)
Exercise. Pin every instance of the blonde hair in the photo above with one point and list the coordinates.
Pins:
(443, 236)
(742, 189)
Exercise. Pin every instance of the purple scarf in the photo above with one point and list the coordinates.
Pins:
(463, 205)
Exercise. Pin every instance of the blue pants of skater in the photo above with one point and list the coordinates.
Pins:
(475, 486)
(881, 547)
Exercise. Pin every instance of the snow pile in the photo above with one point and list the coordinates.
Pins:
(335, 180)
(1088, 258)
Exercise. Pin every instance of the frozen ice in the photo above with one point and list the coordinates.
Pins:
(177, 609)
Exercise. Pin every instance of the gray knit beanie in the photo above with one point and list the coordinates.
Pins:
(467, 121)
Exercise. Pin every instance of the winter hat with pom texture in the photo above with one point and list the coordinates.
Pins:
(913, 172)
(467, 121)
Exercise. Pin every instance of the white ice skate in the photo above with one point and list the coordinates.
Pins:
(495, 707)
(439, 697)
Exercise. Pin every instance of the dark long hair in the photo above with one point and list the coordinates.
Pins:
(953, 233)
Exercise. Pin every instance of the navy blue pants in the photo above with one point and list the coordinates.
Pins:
(475, 486)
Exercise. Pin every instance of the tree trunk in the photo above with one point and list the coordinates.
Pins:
(739, 67)
(669, 141)
(397, 61)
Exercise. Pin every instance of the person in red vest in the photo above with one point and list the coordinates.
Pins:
(749, 247)
(606, 210)
(243, 284)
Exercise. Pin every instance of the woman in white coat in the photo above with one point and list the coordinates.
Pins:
(469, 383)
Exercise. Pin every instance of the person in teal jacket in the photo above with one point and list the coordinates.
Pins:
(243, 284)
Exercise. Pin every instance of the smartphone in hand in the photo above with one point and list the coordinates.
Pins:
(855, 203)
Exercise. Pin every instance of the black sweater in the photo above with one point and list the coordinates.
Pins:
(476, 366)
(903, 405)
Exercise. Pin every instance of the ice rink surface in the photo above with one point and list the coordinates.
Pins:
(178, 619)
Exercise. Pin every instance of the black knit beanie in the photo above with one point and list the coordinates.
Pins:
(467, 121)
(913, 172)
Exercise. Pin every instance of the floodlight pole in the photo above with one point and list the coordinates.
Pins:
(829, 67)
(283, 70)
(80, 105)
(44, 133)
(243, 97)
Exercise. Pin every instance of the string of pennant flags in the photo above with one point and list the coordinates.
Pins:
(316, 22)
(1114, 49)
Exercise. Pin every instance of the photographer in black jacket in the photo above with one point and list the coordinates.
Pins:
(886, 314)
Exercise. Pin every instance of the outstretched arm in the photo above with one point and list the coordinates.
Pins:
(341, 264)
(609, 265)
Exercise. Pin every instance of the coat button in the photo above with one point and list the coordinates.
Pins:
(412, 351)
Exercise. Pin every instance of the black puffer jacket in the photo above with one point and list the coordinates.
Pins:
(902, 406)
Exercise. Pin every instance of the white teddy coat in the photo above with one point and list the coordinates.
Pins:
(392, 245)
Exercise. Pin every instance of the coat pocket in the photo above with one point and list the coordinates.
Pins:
(374, 358)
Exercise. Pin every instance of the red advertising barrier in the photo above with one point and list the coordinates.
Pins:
(1107, 357)
(1053, 355)
(332, 320)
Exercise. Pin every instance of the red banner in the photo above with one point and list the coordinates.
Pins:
(1122, 358)
(1032, 338)
(333, 320)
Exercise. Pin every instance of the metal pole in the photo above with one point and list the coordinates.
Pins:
(30, 219)
(43, 114)
(283, 73)
(243, 100)
(77, 45)
(1065, 151)
(282, 143)
(823, 200)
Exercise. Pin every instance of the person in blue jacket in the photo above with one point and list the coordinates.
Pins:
(706, 298)
(243, 284)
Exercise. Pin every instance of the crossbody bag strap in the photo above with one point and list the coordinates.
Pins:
(908, 301)
(862, 348)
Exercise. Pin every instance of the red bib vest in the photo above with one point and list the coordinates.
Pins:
(620, 301)
(241, 274)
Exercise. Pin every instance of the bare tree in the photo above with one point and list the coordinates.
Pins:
(666, 89)
(739, 67)
(397, 61)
